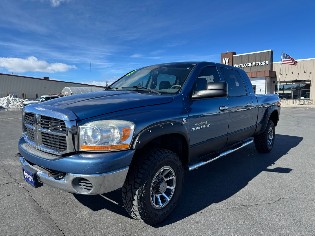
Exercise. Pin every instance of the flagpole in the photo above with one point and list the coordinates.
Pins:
(280, 74)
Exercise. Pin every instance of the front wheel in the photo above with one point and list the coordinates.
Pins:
(153, 186)
(264, 141)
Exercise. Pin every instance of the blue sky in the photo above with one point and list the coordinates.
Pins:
(94, 41)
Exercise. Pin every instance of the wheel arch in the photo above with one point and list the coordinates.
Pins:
(272, 113)
(274, 116)
(168, 135)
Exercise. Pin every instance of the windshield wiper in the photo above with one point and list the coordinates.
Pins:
(140, 88)
(110, 88)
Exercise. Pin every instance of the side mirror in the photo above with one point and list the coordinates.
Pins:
(213, 90)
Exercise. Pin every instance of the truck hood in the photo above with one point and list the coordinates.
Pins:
(99, 103)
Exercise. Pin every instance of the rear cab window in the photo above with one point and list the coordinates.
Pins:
(236, 86)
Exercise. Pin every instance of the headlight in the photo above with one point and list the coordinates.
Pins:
(106, 135)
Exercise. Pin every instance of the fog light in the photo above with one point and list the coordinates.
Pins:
(82, 185)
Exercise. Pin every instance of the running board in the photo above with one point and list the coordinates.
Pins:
(199, 164)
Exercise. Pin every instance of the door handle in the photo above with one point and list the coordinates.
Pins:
(223, 108)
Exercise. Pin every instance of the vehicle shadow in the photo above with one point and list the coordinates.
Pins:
(110, 201)
(212, 183)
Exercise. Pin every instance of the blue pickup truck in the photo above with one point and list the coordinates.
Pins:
(144, 131)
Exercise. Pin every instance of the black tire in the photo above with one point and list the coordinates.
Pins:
(140, 193)
(264, 141)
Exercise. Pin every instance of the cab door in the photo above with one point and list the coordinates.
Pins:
(242, 113)
(207, 121)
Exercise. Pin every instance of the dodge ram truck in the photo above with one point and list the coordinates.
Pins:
(143, 132)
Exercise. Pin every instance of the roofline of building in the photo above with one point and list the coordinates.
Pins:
(29, 77)
(269, 50)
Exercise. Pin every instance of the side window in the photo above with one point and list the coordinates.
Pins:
(235, 82)
(207, 75)
(250, 89)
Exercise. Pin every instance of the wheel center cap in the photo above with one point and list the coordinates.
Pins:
(162, 187)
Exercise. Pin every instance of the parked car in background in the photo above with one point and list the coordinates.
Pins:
(47, 97)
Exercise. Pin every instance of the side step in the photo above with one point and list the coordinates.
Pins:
(197, 165)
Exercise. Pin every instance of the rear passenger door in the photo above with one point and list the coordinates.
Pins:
(242, 117)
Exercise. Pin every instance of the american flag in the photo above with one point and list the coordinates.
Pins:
(286, 59)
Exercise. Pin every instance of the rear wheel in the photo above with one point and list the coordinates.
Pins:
(264, 141)
(153, 186)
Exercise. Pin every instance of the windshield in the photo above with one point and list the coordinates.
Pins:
(159, 79)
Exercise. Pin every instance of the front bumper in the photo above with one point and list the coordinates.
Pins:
(78, 163)
(82, 173)
(90, 184)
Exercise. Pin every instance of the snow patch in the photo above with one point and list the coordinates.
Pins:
(11, 102)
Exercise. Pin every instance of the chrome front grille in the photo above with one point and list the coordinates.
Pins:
(45, 133)
(52, 124)
(54, 142)
(29, 118)
(30, 133)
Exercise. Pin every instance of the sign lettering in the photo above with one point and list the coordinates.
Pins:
(251, 64)
(225, 61)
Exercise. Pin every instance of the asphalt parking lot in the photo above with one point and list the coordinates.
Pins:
(245, 193)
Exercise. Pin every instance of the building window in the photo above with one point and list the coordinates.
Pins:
(294, 90)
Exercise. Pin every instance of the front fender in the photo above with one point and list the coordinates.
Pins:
(157, 130)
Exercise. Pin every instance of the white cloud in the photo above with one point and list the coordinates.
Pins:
(136, 55)
(32, 64)
(56, 3)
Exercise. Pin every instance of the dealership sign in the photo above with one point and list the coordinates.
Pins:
(254, 62)
(251, 64)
